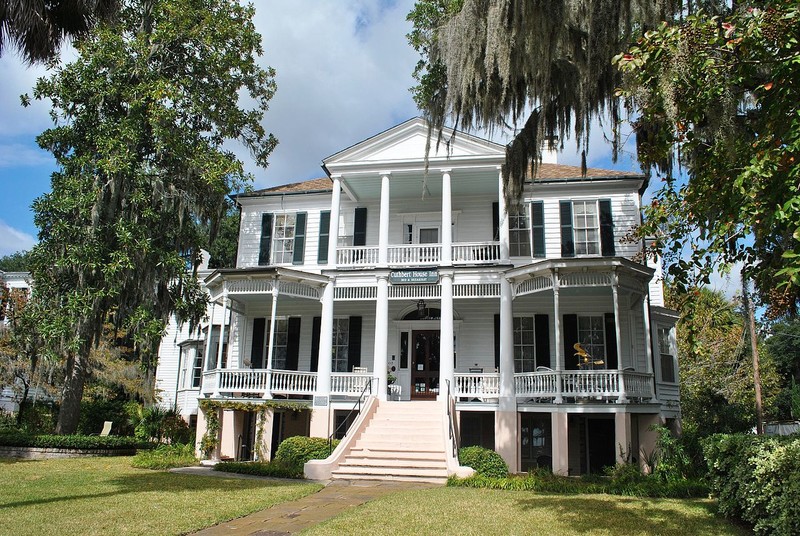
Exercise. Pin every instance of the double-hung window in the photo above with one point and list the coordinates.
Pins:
(197, 369)
(667, 358)
(282, 238)
(341, 344)
(524, 344)
(586, 227)
(592, 336)
(519, 236)
(280, 348)
(283, 241)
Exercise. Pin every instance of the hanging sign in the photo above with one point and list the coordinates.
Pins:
(413, 277)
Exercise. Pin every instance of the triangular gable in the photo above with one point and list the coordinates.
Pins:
(407, 140)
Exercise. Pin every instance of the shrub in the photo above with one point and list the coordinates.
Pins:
(94, 413)
(485, 462)
(273, 469)
(22, 439)
(757, 480)
(294, 452)
(156, 424)
(165, 457)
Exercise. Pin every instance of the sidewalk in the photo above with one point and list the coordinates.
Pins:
(292, 517)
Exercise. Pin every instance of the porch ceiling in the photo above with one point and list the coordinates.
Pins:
(414, 185)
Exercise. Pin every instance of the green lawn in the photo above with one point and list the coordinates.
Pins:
(484, 512)
(107, 496)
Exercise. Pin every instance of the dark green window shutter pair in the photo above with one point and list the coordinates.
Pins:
(570, 327)
(260, 331)
(607, 248)
(354, 346)
(266, 238)
(537, 226)
(541, 327)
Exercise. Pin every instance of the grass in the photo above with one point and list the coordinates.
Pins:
(485, 512)
(89, 496)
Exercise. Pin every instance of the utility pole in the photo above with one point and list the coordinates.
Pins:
(754, 346)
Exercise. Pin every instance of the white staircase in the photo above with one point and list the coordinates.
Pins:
(401, 441)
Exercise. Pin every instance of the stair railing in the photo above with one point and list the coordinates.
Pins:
(451, 429)
(356, 407)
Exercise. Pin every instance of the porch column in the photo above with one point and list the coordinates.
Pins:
(271, 343)
(447, 220)
(557, 335)
(383, 228)
(380, 358)
(209, 333)
(622, 437)
(446, 357)
(648, 343)
(221, 346)
(333, 236)
(617, 331)
(322, 394)
(504, 230)
(507, 400)
(559, 432)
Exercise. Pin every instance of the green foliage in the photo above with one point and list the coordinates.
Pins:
(719, 93)
(38, 419)
(158, 425)
(22, 439)
(165, 457)
(224, 243)
(16, 262)
(94, 414)
(294, 452)
(625, 480)
(143, 118)
(672, 462)
(273, 469)
(486, 462)
(757, 480)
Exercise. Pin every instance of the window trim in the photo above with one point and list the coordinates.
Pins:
(522, 213)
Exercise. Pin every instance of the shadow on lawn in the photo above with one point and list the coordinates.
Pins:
(160, 482)
(584, 513)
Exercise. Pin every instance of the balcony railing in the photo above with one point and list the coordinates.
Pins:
(281, 382)
(483, 386)
(419, 254)
(621, 385)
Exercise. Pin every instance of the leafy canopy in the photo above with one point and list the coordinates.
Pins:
(142, 119)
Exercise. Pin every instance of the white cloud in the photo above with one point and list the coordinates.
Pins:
(20, 155)
(730, 284)
(13, 240)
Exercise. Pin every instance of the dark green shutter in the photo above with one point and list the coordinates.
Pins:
(541, 332)
(299, 238)
(324, 236)
(611, 341)
(570, 327)
(354, 343)
(293, 343)
(315, 331)
(497, 342)
(606, 229)
(257, 351)
(496, 221)
(537, 228)
(266, 239)
(360, 227)
(567, 237)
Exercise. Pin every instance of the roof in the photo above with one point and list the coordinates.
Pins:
(562, 171)
(322, 184)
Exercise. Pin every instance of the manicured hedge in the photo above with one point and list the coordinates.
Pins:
(258, 469)
(757, 480)
(485, 462)
(294, 452)
(20, 439)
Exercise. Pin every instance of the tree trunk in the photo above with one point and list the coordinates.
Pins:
(24, 401)
(72, 393)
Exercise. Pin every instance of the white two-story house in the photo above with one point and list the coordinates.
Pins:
(413, 293)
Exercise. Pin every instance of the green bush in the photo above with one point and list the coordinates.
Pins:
(159, 425)
(22, 439)
(165, 457)
(757, 480)
(294, 452)
(273, 469)
(94, 413)
(485, 462)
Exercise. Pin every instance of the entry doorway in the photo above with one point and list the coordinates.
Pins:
(425, 364)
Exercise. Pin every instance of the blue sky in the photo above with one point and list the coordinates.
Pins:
(343, 73)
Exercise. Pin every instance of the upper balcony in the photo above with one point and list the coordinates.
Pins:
(462, 253)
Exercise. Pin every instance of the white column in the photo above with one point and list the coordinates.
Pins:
(380, 357)
(648, 341)
(325, 346)
(560, 435)
(504, 231)
(333, 236)
(617, 332)
(507, 393)
(447, 220)
(222, 333)
(209, 333)
(271, 343)
(557, 335)
(446, 357)
(383, 228)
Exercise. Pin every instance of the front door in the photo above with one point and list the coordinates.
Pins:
(425, 364)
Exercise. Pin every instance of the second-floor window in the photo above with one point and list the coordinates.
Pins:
(197, 369)
(592, 336)
(666, 356)
(282, 238)
(341, 344)
(519, 232)
(524, 344)
(587, 228)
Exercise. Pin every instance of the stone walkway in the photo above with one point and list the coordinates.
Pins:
(291, 517)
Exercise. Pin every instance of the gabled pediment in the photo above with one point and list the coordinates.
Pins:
(406, 142)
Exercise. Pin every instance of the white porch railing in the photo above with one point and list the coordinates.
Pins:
(481, 385)
(415, 254)
(292, 382)
(349, 383)
(476, 252)
(580, 384)
(357, 256)
(282, 382)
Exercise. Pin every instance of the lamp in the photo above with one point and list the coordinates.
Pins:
(422, 309)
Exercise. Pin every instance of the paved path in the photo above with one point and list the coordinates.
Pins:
(290, 517)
